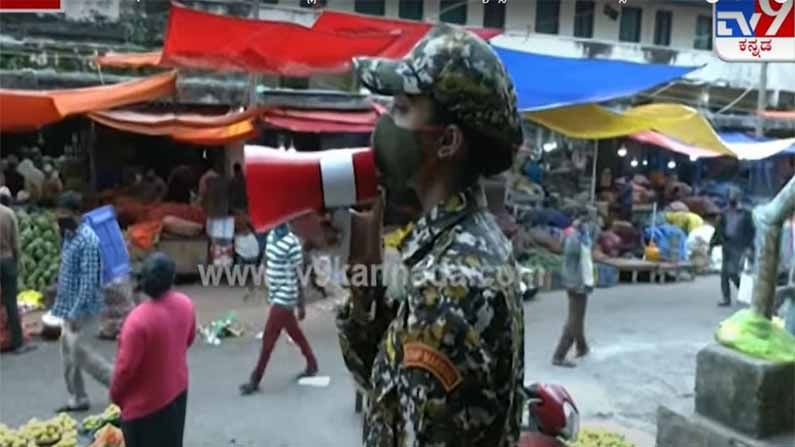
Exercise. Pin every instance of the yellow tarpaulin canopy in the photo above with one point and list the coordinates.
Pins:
(593, 122)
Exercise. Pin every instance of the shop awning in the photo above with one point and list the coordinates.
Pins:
(321, 121)
(672, 144)
(751, 148)
(410, 31)
(129, 60)
(545, 82)
(742, 146)
(201, 40)
(208, 130)
(593, 122)
(779, 114)
(27, 110)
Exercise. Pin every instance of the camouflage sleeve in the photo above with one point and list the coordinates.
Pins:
(362, 322)
(458, 371)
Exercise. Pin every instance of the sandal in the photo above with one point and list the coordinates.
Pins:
(563, 363)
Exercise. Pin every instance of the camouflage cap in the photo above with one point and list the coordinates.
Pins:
(461, 72)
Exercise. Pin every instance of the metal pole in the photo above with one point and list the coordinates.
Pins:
(761, 103)
(593, 180)
(252, 79)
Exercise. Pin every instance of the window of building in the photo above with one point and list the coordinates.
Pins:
(453, 11)
(272, 2)
(494, 15)
(547, 16)
(410, 9)
(371, 7)
(662, 28)
(703, 39)
(629, 30)
(583, 19)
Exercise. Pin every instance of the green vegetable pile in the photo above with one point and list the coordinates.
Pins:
(40, 243)
(599, 438)
(540, 258)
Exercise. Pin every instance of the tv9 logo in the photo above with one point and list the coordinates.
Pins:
(754, 30)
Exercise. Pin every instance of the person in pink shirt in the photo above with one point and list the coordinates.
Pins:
(150, 377)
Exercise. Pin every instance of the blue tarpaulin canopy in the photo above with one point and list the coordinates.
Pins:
(545, 82)
(739, 137)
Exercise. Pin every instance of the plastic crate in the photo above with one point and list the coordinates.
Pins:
(115, 259)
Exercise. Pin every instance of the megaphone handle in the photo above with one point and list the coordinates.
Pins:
(341, 220)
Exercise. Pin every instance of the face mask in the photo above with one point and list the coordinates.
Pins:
(398, 153)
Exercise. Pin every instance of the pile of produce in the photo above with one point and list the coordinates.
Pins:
(599, 438)
(40, 242)
(108, 436)
(60, 431)
(93, 423)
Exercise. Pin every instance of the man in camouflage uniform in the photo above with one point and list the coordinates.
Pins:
(441, 360)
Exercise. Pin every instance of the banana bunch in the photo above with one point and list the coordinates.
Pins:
(41, 432)
(9, 438)
(599, 438)
(94, 422)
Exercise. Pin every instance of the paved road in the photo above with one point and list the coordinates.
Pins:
(644, 341)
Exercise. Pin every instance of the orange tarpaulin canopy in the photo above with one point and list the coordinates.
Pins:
(213, 130)
(129, 60)
(26, 110)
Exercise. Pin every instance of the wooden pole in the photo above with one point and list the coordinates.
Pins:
(593, 180)
(769, 220)
(761, 101)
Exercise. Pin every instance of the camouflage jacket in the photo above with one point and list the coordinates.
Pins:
(443, 363)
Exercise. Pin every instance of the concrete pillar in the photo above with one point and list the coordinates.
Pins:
(520, 16)
(392, 9)
(566, 22)
(432, 10)
(475, 13)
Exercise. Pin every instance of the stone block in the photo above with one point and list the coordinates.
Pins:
(752, 396)
(688, 429)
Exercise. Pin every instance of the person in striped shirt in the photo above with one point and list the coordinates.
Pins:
(284, 262)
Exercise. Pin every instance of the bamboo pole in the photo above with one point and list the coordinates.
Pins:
(769, 220)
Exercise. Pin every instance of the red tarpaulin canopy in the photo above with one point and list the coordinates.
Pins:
(208, 130)
(411, 31)
(201, 40)
(321, 121)
(27, 110)
(207, 41)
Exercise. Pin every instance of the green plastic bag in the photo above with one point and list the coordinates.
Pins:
(752, 334)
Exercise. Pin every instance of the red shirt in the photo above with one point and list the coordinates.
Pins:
(151, 368)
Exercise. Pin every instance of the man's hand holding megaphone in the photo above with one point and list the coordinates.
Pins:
(367, 231)
(366, 251)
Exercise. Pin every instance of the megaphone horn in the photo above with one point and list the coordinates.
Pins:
(282, 185)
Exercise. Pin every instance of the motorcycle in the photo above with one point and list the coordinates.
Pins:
(552, 417)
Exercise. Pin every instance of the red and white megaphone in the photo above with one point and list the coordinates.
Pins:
(283, 185)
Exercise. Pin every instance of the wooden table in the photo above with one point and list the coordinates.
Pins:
(657, 270)
(634, 266)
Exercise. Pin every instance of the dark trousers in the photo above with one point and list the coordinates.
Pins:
(574, 330)
(281, 318)
(725, 287)
(8, 284)
(164, 428)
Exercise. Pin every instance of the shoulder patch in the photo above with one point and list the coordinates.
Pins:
(420, 355)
